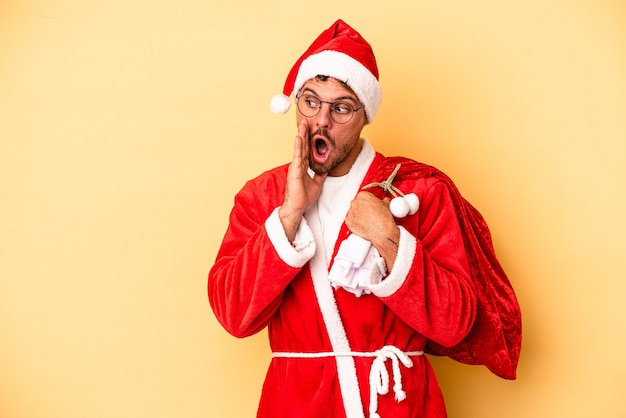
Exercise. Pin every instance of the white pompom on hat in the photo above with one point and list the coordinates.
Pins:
(339, 52)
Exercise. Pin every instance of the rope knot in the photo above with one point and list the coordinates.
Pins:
(387, 185)
(379, 376)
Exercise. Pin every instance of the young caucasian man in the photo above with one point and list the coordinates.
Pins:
(356, 263)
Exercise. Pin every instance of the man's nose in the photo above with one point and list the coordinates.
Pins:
(323, 119)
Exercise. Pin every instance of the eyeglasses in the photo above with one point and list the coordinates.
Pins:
(340, 112)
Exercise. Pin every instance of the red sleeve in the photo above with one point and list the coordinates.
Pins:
(247, 281)
(433, 293)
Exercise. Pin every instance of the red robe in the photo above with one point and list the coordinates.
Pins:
(428, 301)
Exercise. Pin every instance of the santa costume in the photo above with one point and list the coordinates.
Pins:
(357, 351)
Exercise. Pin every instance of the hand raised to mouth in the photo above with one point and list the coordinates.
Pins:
(301, 190)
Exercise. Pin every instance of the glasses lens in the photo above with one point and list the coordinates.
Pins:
(341, 112)
(309, 105)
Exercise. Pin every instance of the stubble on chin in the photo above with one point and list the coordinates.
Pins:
(319, 169)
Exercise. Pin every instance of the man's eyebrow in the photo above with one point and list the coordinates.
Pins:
(314, 93)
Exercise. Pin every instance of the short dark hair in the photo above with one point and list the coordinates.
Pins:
(322, 77)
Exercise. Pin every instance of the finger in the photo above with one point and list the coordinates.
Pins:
(303, 127)
(303, 132)
(364, 194)
(297, 151)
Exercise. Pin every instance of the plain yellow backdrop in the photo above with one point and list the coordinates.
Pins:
(126, 127)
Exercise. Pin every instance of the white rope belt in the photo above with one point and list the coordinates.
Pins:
(379, 377)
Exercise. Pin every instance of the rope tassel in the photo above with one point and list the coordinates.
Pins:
(379, 376)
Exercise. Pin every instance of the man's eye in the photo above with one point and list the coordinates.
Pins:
(311, 103)
(341, 108)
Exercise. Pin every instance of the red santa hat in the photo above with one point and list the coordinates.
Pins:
(339, 52)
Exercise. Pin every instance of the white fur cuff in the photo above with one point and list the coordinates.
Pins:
(401, 267)
(295, 254)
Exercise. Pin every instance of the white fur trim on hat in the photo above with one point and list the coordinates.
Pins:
(344, 68)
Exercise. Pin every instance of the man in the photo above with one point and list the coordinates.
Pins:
(423, 281)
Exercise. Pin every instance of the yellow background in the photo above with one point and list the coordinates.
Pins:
(126, 127)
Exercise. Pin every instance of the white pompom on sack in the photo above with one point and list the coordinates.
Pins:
(399, 207)
(413, 201)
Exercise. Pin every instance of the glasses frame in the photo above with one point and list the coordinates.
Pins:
(330, 110)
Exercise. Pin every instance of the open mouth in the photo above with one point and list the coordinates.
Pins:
(321, 149)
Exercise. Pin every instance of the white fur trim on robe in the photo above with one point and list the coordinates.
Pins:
(407, 247)
(295, 254)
